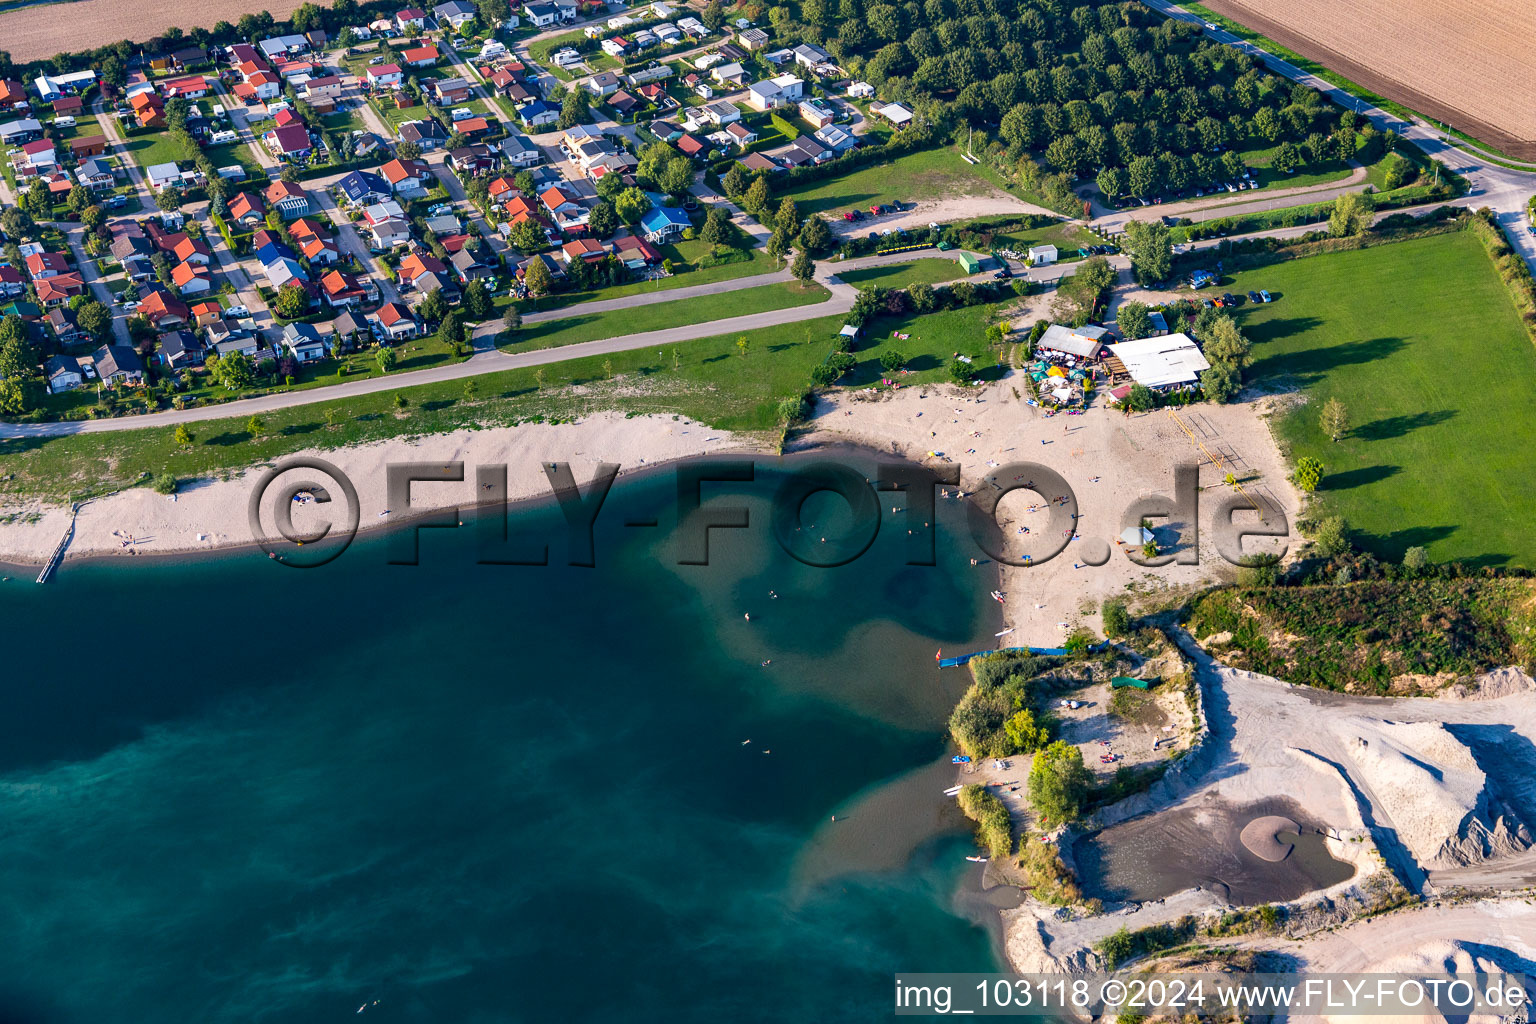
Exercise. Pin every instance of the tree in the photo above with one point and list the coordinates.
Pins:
(538, 279)
(803, 268)
(713, 233)
(1309, 473)
(540, 378)
(1287, 157)
(169, 199)
(736, 181)
(922, 296)
(756, 200)
(1332, 537)
(608, 369)
(1334, 418)
(791, 409)
(477, 301)
(575, 108)
(292, 301)
(714, 14)
(182, 435)
(289, 173)
(1149, 244)
(512, 320)
(677, 176)
(408, 150)
(1140, 398)
(1133, 320)
(1111, 182)
(388, 358)
(1416, 559)
(471, 389)
(79, 197)
(452, 329)
(16, 223)
(1351, 215)
(743, 346)
(961, 372)
(254, 426)
(1225, 343)
(602, 221)
(333, 418)
(892, 361)
(95, 319)
(787, 219)
(434, 307)
(815, 236)
(401, 402)
(778, 245)
(528, 237)
(21, 388)
(1220, 382)
(1058, 782)
(1117, 620)
(235, 371)
(631, 205)
(93, 217)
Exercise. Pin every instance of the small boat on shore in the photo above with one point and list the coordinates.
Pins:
(953, 790)
(997, 596)
(977, 860)
(960, 759)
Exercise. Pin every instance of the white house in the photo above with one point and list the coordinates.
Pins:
(1042, 255)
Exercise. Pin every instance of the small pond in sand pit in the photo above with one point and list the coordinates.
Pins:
(1155, 856)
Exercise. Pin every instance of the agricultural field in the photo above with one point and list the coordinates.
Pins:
(1470, 65)
(36, 33)
(912, 177)
(1420, 341)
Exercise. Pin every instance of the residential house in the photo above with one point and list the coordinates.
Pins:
(693, 147)
(61, 321)
(304, 342)
(752, 38)
(663, 224)
(517, 151)
(51, 87)
(450, 90)
(427, 134)
(467, 267)
(895, 113)
(352, 329)
(467, 161)
(63, 374)
(284, 270)
(119, 364)
(133, 252)
(13, 96)
(68, 106)
(407, 177)
(720, 112)
(148, 110)
(192, 87)
(41, 265)
(395, 322)
(319, 250)
(728, 74)
(261, 85)
(188, 57)
(191, 279)
(603, 84)
(26, 129)
(455, 13)
(635, 252)
(541, 15)
(12, 283)
(326, 87)
(411, 19)
(163, 310)
(693, 27)
(388, 233)
(657, 72)
(206, 312)
(288, 198)
(537, 113)
(861, 91)
(666, 131)
(192, 250)
(280, 47)
(813, 57)
(616, 46)
(86, 146)
(740, 134)
(805, 150)
(817, 112)
(341, 290)
(836, 138)
(363, 188)
(180, 349)
(588, 250)
(730, 51)
(415, 266)
(667, 34)
(291, 142)
(472, 127)
(385, 76)
(564, 210)
(420, 56)
(247, 210)
(59, 289)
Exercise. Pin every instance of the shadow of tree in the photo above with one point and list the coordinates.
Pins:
(1358, 477)
(1397, 426)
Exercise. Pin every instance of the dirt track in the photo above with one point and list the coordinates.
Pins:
(1472, 68)
(34, 33)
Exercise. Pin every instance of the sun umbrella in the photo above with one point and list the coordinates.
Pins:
(1136, 535)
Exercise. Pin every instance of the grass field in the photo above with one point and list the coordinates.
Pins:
(706, 379)
(159, 148)
(928, 174)
(657, 316)
(1421, 343)
(681, 253)
(899, 275)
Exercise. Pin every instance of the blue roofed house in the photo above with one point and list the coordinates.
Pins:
(536, 113)
(364, 188)
(274, 251)
(662, 224)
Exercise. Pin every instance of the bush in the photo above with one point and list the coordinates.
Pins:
(1058, 783)
(165, 482)
(994, 829)
(1117, 620)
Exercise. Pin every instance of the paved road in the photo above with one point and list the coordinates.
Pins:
(75, 235)
(1501, 189)
(1216, 207)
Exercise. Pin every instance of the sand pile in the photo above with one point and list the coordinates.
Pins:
(1261, 836)
(1431, 787)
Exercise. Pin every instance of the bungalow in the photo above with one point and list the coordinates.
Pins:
(635, 252)
(456, 13)
(666, 131)
(450, 90)
(341, 290)
(472, 126)
(663, 224)
(59, 289)
(836, 138)
(180, 348)
(161, 175)
(741, 134)
(290, 142)
(188, 56)
(87, 146)
(191, 279)
(206, 312)
(69, 106)
(493, 49)
(51, 87)
(752, 38)
(468, 161)
(385, 76)
(537, 113)
(25, 310)
(387, 210)
(62, 322)
(420, 56)
(304, 342)
(817, 112)
(37, 157)
(861, 91)
(588, 250)
(692, 146)
(693, 27)
(192, 250)
(119, 364)
(812, 57)
(517, 151)
(247, 210)
(667, 34)
(278, 47)
(288, 198)
(388, 233)
(63, 374)
(11, 281)
(407, 177)
(411, 19)
(729, 51)
(721, 112)
(805, 150)
(350, 329)
(363, 188)
(541, 15)
(14, 133)
(394, 322)
(246, 345)
(728, 74)
(192, 87)
(468, 267)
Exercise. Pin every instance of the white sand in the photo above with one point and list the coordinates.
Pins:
(213, 513)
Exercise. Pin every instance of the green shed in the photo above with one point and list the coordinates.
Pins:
(1119, 681)
(972, 264)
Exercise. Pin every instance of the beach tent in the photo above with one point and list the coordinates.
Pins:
(1056, 371)
(1136, 535)
(1119, 681)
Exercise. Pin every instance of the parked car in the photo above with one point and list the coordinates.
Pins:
(1003, 274)
(1254, 297)
(1265, 296)
(1229, 299)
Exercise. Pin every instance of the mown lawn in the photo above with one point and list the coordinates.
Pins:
(1422, 344)
(680, 254)
(899, 275)
(706, 379)
(579, 327)
(928, 174)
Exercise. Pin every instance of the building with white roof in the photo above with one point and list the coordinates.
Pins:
(1171, 361)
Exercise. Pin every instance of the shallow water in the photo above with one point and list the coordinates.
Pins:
(1155, 856)
(233, 791)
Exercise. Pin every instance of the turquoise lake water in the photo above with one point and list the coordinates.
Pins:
(235, 791)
